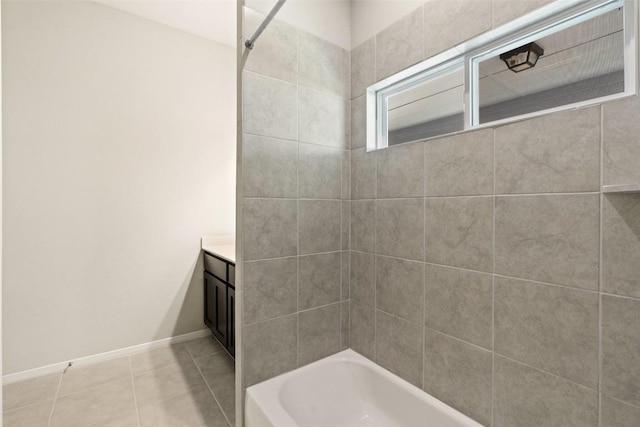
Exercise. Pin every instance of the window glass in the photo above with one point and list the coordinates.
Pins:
(580, 63)
(431, 108)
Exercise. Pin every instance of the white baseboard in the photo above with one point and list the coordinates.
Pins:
(101, 357)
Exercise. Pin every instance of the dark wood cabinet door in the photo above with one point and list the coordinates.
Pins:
(215, 310)
(231, 300)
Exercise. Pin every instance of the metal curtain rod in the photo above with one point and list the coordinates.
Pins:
(250, 43)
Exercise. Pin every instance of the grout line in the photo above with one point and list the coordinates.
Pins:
(633, 405)
(298, 199)
(291, 256)
(375, 257)
(209, 387)
(545, 372)
(479, 347)
(293, 198)
(493, 283)
(55, 399)
(509, 358)
(475, 196)
(600, 270)
(424, 275)
(133, 387)
(503, 276)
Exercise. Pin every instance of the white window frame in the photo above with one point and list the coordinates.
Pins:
(554, 17)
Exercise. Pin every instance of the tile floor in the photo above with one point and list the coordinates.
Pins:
(190, 384)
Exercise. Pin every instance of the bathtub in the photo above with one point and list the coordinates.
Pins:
(345, 390)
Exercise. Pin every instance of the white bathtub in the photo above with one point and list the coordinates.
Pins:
(345, 390)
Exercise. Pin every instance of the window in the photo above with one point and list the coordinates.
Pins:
(567, 54)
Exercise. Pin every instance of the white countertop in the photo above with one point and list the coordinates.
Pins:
(227, 252)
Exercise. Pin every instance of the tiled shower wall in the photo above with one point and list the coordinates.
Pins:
(486, 267)
(295, 163)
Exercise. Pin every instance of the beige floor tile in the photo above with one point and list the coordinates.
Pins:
(225, 393)
(193, 409)
(31, 391)
(203, 346)
(128, 420)
(94, 405)
(167, 382)
(216, 367)
(159, 358)
(84, 377)
(36, 415)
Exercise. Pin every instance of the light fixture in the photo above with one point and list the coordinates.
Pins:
(523, 57)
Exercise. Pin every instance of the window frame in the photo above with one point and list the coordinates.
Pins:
(554, 17)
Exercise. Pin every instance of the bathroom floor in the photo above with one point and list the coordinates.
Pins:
(188, 384)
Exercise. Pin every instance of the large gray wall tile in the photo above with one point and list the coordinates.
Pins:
(621, 244)
(320, 226)
(620, 142)
(550, 154)
(363, 332)
(270, 167)
(526, 397)
(618, 414)
(363, 278)
(320, 64)
(323, 118)
(401, 171)
(400, 228)
(399, 347)
(269, 348)
(269, 228)
(277, 54)
(319, 280)
(447, 23)
(319, 172)
(459, 374)
(363, 67)
(459, 232)
(507, 10)
(363, 225)
(270, 289)
(363, 174)
(359, 122)
(548, 327)
(550, 238)
(400, 45)
(459, 165)
(319, 333)
(459, 303)
(270, 107)
(400, 288)
(621, 348)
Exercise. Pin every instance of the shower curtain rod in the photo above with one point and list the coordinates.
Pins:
(250, 43)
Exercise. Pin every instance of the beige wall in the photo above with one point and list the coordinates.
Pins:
(119, 154)
(329, 20)
(487, 267)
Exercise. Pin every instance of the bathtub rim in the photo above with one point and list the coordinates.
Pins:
(268, 392)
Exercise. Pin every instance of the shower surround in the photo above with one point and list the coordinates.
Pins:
(295, 164)
(486, 267)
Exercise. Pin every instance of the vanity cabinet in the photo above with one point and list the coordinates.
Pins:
(219, 299)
